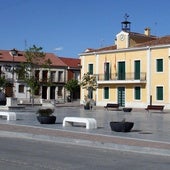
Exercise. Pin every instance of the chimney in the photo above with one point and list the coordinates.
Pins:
(115, 41)
(147, 31)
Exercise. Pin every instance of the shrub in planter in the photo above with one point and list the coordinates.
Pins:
(87, 103)
(45, 116)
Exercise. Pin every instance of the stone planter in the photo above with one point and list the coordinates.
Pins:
(46, 119)
(121, 126)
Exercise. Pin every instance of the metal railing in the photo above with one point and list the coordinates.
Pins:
(119, 76)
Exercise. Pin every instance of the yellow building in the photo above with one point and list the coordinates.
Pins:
(134, 72)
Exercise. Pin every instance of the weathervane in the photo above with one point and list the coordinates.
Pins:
(126, 16)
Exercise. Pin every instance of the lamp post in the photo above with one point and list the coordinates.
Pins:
(13, 53)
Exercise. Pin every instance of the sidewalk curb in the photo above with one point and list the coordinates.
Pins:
(123, 146)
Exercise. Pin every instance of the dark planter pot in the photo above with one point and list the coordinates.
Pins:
(46, 119)
(127, 109)
(121, 126)
(87, 107)
(3, 102)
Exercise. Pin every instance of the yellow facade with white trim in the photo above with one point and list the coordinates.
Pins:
(152, 86)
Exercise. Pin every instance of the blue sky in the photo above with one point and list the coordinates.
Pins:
(68, 27)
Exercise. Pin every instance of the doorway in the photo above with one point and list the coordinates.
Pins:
(121, 96)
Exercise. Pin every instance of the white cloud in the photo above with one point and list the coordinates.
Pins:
(58, 49)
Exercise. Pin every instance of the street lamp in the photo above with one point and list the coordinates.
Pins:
(14, 52)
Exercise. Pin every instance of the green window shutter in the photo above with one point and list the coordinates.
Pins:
(137, 70)
(106, 92)
(159, 93)
(159, 65)
(121, 70)
(137, 93)
(107, 71)
(90, 68)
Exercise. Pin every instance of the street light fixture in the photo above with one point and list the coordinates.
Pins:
(14, 52)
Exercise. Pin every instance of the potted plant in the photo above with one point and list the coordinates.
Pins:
(121, 126)
(45, 116)
(88, 82)
(87, 103)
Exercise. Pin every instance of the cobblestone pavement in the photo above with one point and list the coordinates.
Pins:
(150, 134)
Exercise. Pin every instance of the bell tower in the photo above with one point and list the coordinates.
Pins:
(126, 24)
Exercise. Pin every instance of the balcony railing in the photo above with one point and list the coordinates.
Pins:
(57, 80)
(119, 76)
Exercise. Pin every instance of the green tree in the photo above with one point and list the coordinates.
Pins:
(72, 86)
(3, 82)
(89, 83)
(34, 60)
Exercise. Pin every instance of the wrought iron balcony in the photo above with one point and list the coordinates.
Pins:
(124, 78)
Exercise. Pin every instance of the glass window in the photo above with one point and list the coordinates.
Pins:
(60, 88)
(90, 69)
(106, 92)
(60, 76)
(159, 65)
(159, 93)
(137, 93)
(37, 74)
(76, 75)
(21, 89)
(44, 75)
(53, 76)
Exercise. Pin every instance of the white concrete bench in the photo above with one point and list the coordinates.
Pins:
(8, 115)
(90, 123)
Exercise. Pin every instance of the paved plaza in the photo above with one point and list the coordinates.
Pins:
(151, 131)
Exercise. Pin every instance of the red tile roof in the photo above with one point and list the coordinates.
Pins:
(139, 35)
(5, 56)
(90, 50)
(159, 41)
(150, 41)
(56, 61)
(71, 62)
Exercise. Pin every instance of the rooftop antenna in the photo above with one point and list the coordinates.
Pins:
(25, 43)
(156, 28)
(102, 42)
